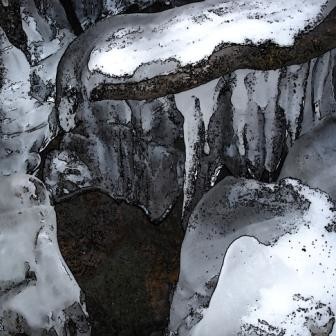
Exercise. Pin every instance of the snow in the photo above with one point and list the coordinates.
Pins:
(36, 284)
(288, 286)
(277, 220)
(189, 34)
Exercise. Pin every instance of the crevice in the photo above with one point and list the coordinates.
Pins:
(72, 17)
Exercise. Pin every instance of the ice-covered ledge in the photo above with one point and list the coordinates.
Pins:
(157, 65)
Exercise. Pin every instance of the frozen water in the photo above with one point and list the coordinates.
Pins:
(312, 159)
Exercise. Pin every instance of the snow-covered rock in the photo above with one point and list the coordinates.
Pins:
(171, 38)
(257, 259)
(38, 293)
(159, 44)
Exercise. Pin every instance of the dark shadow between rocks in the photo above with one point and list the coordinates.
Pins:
(126, 266)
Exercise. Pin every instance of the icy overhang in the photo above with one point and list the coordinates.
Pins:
(143, 56)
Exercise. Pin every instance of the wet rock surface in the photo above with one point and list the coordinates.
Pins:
(126, 266)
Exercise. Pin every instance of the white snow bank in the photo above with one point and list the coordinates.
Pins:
(287, 288)
(35, 283)
(293, 257)
(190, 33)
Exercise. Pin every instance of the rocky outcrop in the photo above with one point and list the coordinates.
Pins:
(157, 121)
(240, 124)
(250, 261)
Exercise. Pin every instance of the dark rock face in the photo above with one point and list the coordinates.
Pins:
(126, 266)
(88, 12)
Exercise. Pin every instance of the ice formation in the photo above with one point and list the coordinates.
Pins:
(24, 120)
(261, 252)
(312, 158)
(38, 293)
(244, 121)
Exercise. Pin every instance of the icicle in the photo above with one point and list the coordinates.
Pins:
(197, 106)
(189, 106)
(292, 94)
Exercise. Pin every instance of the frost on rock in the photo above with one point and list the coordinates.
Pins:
(258, 259)
(131, 149)
(38, 293)
(312, 159)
